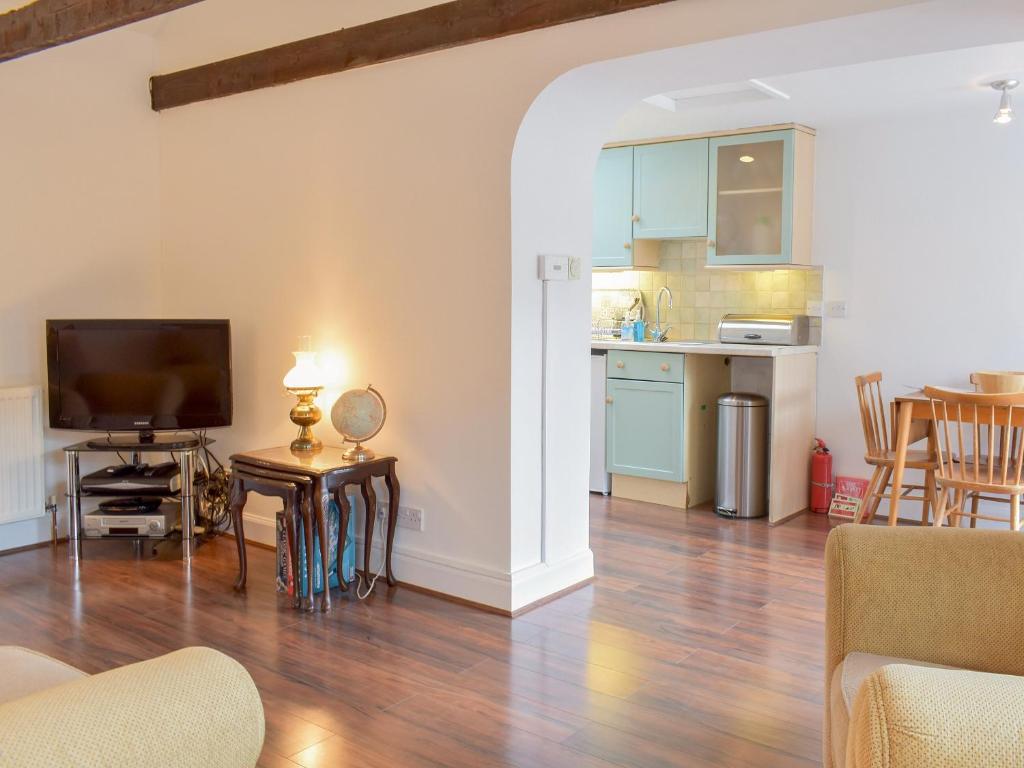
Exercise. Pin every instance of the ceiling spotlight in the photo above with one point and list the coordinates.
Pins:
(746, 159)
(1005, 112)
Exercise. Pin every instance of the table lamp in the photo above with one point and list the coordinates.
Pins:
(305, 381)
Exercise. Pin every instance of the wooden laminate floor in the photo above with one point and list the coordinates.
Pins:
(700, 643)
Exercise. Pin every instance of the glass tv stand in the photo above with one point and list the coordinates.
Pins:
(185, 451)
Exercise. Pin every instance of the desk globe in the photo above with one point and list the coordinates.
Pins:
(358, 415)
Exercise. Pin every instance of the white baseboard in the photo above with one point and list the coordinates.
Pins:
(260, 529)
(536, 582)
(467, 581)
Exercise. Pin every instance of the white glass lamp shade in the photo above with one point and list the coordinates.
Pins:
(1004, 114)
(306, 373)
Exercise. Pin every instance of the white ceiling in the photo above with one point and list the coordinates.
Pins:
(926, 84)
(10, 5)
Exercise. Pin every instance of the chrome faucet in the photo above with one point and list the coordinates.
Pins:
(657, 332)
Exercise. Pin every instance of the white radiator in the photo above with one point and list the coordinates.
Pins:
(21, 454)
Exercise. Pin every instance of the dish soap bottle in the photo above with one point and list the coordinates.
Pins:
(626, 332)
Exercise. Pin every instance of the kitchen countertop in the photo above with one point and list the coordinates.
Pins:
(703, 348)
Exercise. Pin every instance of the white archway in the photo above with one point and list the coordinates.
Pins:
(552, 173)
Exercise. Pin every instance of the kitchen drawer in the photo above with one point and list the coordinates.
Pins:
(645, 366)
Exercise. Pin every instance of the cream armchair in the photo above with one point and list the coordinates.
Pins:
(925, 648)
(193, 707)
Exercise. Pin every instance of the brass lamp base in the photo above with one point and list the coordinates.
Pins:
(305, 414)
(358, 453)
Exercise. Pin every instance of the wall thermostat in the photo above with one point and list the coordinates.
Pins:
(558, 267)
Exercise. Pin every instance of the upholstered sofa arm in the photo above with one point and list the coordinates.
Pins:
(944, 596)
(915, 717)
(194, 707)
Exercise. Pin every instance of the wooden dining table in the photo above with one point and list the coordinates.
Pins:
(912, 418)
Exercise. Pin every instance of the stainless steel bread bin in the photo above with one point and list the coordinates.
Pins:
(784, 330)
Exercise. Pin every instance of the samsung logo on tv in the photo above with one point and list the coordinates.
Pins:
(141, 423)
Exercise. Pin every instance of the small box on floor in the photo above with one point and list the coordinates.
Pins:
(285, 576)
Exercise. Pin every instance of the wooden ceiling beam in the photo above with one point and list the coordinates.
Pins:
(435, 28)
(49, 23)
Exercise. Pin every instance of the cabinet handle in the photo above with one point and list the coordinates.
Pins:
(664, 367)
(609, 399)
(627, 246)
(636, 217)
(620, 364)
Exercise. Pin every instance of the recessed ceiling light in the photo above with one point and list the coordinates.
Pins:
(1004, 114)
(746, 159)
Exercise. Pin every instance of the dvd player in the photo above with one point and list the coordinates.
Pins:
(154, 525)
(134, 480)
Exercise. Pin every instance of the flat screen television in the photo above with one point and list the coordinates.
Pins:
(139, 375)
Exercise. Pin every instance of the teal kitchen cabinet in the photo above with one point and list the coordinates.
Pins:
(670, 190)
(613, 209)
(759, 198)
(644, 429)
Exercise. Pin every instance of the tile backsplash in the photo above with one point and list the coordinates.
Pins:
(702, 296)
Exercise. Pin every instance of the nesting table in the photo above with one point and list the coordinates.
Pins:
(306, 481)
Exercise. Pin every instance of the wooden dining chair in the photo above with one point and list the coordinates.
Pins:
(998, 381)
(876, 418)
(980, 452)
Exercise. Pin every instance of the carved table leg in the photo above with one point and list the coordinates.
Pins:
(394, 489)
(292, 515)
(370, 502)
(322, 499)
(344, 512)
(307, 602)
(236, 503)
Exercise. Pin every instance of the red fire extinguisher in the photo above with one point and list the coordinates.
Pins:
(821, 477)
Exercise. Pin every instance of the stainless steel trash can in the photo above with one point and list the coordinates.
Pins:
(741, 482)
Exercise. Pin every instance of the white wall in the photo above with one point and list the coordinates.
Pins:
(372, 210)
(916, 193)
(79, 226)
(918, 226)
(553, 165)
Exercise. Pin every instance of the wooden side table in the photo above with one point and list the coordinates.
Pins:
(297, 495)
(329, 472)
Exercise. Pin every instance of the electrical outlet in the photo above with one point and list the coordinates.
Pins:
(408, 517)
(814, 308)
(836, 308)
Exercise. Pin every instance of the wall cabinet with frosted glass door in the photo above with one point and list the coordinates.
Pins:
(760, 197)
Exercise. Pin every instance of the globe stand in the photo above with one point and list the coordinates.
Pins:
(359, 415)
(358, 453)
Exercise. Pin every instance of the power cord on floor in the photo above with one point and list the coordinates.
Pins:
(366, 566)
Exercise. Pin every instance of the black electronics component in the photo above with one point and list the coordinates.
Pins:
(135, 505)
(134, 480)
